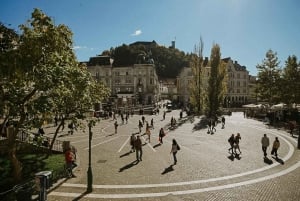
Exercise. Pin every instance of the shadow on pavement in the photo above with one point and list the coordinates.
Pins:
(81, 196)
(126, 154)
(168, 169)
(110, 135)
(279, 160)
(130, 165)
(157, 145)
(268, 161)
(234, 156)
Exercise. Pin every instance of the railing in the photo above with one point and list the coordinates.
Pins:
(37, 140)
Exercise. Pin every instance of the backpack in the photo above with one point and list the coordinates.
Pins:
(178, 147)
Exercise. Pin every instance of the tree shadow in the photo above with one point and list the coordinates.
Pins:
(279, 160)
(126, 154)
(130, 165)
(268, 161)
(168, 169)
(202, 124)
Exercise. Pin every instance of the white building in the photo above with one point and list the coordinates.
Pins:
(238, 92)
(130, 85)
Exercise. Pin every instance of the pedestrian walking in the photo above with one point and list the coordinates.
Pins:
(161, 135)
(231, 143)
(147, 126)
(276, 145)
(174, 149)
(148, 132)
(213, 126)
(237, 139)
(143, 120)
(140, 126)
(138, 148)
(209, 126)
(70, 160)
(152, 123)
(132, 140)
(223, 122)
(265, 142)
(62, 123)
(116, 127)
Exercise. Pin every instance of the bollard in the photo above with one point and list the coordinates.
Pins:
(43, 182)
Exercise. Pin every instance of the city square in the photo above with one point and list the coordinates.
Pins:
(122, 100)
(205, 169)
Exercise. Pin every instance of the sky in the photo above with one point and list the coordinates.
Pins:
(244, 29)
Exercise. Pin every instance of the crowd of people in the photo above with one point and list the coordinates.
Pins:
(136, 144)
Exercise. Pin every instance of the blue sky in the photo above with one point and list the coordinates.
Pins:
(244, 29)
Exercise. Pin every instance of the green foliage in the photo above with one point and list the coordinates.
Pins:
(32, 163)
(43, 76)
(168, 61)
(290, 81)
(268, 78)
(216, 82)
(197, 90)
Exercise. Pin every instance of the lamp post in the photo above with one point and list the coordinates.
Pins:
(91, 123)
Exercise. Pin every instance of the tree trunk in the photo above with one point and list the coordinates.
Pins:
(54, 138)
(12, 154)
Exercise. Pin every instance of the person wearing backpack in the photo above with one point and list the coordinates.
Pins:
(174, 149)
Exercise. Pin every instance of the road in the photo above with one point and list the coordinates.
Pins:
(205, 169)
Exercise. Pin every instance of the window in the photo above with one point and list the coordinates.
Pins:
(238, 76)
(117, 73)
(118, 90)
(128, 80)
(117, 81)
(151, 81)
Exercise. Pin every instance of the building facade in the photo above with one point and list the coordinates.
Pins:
(130, 85)
(238, 84)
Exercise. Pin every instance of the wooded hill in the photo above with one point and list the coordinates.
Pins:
(168, 60)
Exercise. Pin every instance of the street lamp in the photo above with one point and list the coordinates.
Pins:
(91, 123)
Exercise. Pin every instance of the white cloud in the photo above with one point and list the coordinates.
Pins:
(77, 47)
(137, 32)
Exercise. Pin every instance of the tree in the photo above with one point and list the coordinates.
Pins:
(268, 78)
(216, 82)
(43, 77)
(196, 86)
(290, 84)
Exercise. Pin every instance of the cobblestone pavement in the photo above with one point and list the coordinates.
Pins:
(205, 169)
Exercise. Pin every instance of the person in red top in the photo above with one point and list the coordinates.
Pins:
(69, 158)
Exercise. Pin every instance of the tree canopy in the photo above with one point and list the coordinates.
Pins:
(168, 61)
(41, 77)
(269, 78)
